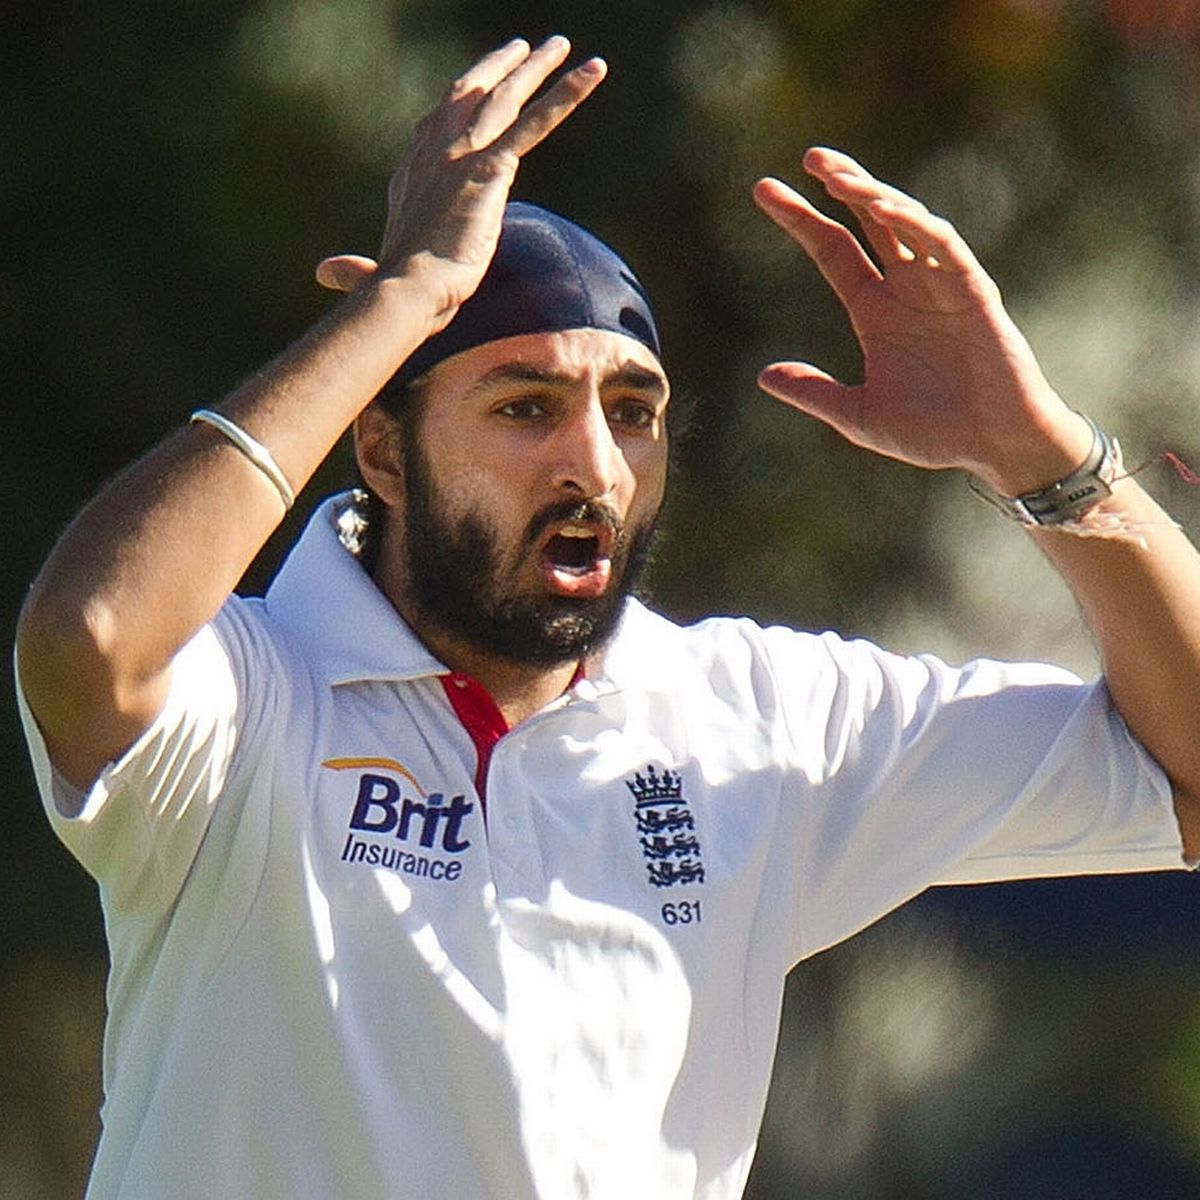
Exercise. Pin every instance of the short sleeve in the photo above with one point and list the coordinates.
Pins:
(910, 772)
(138, 827)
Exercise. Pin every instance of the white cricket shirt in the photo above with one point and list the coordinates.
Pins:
(334, 976)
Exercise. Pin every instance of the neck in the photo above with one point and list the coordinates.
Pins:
(518, 690)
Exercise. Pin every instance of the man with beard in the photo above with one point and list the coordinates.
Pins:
(448, 871)
(547, 277)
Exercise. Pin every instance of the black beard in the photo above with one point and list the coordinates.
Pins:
(454, 570)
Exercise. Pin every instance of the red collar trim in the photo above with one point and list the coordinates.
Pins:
(483, 721)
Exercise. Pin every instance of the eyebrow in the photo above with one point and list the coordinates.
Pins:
(630, 376)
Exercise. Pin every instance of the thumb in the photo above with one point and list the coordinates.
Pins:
(345, 272)
(812, 391)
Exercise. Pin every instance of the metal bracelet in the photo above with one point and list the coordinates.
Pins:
(253, 449)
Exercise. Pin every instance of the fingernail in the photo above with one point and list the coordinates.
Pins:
(594, 66)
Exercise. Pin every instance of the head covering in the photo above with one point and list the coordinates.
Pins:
(548, 275)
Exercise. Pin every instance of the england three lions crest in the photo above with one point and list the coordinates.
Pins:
(666, 827)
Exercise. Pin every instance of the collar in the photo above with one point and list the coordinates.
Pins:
(645, 648)
(332, 607)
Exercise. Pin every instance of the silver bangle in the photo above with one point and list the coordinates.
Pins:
(253, 449)
(1072, 496)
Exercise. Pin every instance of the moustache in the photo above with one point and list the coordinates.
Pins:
(590, 512)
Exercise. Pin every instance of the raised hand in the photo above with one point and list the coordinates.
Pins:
(949, 379)
(446, 197)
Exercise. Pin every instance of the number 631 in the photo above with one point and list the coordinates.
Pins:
(682, 912)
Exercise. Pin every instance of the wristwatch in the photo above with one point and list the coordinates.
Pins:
(1072, 496)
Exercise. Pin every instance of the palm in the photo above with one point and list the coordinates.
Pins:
(446, 197)
(948, 376)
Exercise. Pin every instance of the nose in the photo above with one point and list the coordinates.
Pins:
(588, 460)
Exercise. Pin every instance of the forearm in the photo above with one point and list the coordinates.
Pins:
(951, 382)
(156, 553)
(1139, 590)
(1137, 579)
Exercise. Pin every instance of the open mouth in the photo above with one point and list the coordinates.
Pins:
(576, 557)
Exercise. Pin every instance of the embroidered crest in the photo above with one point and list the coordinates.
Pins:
(667, 828)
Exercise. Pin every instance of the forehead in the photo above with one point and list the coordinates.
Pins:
(585, 355)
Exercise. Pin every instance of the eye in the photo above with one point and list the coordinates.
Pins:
(522, 408)
(632, 414)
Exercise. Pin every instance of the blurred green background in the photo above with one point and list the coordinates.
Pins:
(173, 169)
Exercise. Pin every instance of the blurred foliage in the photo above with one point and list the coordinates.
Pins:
(173, 172)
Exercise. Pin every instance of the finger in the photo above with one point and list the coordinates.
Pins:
(859, 195)
(847, 181)
(823, 162)
(546, 114)
(926, 236)
(484, 75)
(496, 114)
(464, 96)
(889, 248)
(933, 237)
(345, 272)
(842, 261)
(899, 227)
(812, 391)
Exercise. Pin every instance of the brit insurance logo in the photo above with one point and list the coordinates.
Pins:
(667, 828)
(396, 825)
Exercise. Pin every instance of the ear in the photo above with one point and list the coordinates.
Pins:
(377, 449)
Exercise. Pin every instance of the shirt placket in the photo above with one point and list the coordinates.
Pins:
(518, 866)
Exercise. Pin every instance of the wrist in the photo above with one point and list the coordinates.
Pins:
(1056, 449)
(418, 294)
(1071, 495)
